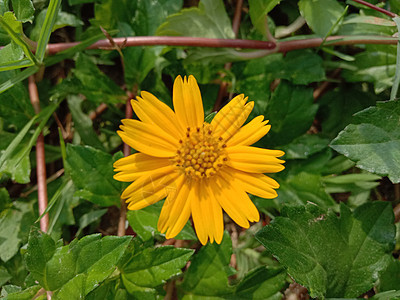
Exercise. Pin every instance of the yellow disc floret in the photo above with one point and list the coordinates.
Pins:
(201, 154)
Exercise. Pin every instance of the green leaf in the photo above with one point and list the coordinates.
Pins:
(26, 294)
(305, 240)
(208, 272)
(291, 111)
(261, 283)
(356, 24)
(76, 269)
(94, 84)
(14, 222)
(258, 10)
(23, 10)
(390, 278)
(305, 187)
(304, 146)
(338, 106)
(208, 20)
(373, 140)
(89, 218)
(153, 266)
(144, 223)
(376, 65)
(41, 249)
(82, 123)
(320, 15)
(14, 30)
(63, 19)
(18, 78)
(92, 173)
(49, 21)
(4, 275)
(11, 57)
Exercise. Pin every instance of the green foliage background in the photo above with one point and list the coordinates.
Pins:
(333, 110)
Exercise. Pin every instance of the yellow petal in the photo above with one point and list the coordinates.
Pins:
(147, 139)
(255, 160)
(224, 193)
(232, 116)
(216, 214)
(148, 190)
(136, 165)
(250, 133)
(201, 214)
(187, 102)
(256, 184)
(176, 210)
(151, 110)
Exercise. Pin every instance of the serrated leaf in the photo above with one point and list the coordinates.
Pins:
(208, 20)
(306, 239)
(26, 294)
(153, 266)
(209, 270)
(320, 15)
(76, 269)
(390, 278)
(92, 173)
(373, 140)
(304, 146)
(291, 111)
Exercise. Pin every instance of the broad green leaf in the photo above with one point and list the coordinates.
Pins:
(208, 20)
(41, 249)
(376, 65)
(208, 272)
(92, 173)
(18, 78)
(14, 227)
(23, 10)
(76, 269)
(144, 223)
(290, 111)
(320, 15)
(94, 84)
(19, 294)
(304, 187)
(49, 21)
(4, 275)
(82, 123)
(153, 266)
(5, 200)
(338, 257)
(390, 278)
(304, 146)
(338, 106)
(373, 140)
(261, 283)
(258, 10)
(63, 19)
(386, 295)
(11, 55)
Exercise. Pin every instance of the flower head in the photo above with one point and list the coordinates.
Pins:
(200, 168)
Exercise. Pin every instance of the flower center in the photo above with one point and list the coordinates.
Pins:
(200, 154)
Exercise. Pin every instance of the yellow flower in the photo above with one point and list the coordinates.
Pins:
(201, 168)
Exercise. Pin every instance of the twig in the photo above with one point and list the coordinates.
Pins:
(235, 27)
(318, 92)
(40, 159)
(396, 211)
(99, 110)
(374, 7)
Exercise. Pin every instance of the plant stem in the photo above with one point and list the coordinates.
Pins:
(40, 159)
(384, 11)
